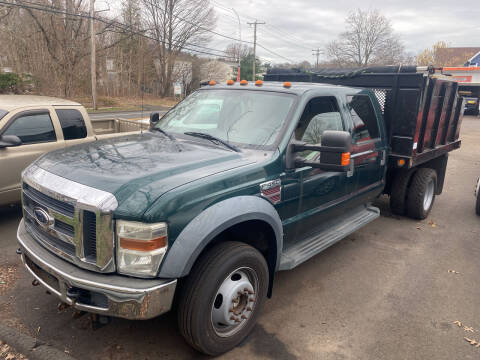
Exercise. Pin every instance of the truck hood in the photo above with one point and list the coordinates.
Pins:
(139, 168)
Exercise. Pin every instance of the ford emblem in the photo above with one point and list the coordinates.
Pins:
(43, 218)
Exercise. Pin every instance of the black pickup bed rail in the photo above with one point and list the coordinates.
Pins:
(422, 113)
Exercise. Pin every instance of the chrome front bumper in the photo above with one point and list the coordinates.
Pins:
(111, 295)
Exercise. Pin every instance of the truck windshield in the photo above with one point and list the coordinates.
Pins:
(3, 113)
(240, 117)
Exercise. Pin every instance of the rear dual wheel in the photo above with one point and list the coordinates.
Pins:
(413, 192)
(222, 297)
(421, 193)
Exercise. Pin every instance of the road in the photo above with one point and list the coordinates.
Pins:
(126, 114)
(392, 290)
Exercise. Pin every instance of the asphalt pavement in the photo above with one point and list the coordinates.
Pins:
(396, 289)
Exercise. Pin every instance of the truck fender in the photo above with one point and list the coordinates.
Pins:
(211, 222)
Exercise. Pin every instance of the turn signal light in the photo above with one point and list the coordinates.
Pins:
(401, 162)
(243, 82)
(230, 82)
(212, 82)
(142, 245)
(345, 159)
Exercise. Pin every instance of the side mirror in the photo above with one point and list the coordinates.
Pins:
(9, 141)
(154, 119)
(334, 151)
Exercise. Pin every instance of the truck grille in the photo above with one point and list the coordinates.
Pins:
(54, 204)
(68, 225)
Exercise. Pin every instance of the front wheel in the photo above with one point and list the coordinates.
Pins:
(421, 193)
(222, 297)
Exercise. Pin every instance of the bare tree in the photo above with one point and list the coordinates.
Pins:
(369, 39)
(175, 24)
(236, 51)
(66, 37)
(431, 56)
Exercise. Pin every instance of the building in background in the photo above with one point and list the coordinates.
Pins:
(457, 56)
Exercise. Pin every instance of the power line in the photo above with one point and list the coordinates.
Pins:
(222, 35)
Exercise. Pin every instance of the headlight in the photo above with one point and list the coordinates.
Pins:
(140, 247)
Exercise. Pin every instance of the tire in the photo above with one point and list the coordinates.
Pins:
(398, 191)
(477, 206)
(421, 193)
(477, 203)
(202, 308)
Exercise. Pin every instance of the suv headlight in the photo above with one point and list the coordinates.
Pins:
(140, 247)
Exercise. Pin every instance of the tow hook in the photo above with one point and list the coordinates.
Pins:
(19, 251)
(73, 293)
(35, 282)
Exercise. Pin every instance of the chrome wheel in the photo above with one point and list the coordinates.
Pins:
(428, 197)
(234, 302)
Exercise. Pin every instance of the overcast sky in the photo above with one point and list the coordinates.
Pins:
(295, 27)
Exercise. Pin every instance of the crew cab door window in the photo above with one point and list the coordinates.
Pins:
(319, 115)
(365, 125)
(33, 128)
(73, 125)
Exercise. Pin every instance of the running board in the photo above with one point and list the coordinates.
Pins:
(327, 235)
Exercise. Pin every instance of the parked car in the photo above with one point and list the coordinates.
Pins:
(205, 209)
(33, 125)
(472, 105)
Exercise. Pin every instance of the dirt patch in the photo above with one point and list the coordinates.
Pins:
(8, 353)
(8, 277)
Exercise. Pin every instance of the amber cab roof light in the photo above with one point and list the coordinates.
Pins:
(212, 82)
(287, 84)
(243, 82)
(259, 83)
(230, 82)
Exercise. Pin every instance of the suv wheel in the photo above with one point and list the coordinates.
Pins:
(421, 193)
(220, 301)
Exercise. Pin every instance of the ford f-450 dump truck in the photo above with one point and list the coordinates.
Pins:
(236, 182)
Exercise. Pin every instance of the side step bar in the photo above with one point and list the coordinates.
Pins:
(327, 235)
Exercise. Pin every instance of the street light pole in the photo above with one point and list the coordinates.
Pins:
(93, 67)
(239, 43)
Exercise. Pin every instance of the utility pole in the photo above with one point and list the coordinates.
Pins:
(239, 43)
(93, 66)
(255, 44)
(316, 52)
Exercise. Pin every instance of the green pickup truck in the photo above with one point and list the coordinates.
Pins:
(236, 182)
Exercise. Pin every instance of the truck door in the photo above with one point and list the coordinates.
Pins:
(37, 132)
(368, 147)
(318, 194)
(73, 126)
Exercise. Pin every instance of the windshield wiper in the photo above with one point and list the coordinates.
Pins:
(212, 139)
(164, 133)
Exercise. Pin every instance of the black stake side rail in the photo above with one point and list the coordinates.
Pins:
(422, 114)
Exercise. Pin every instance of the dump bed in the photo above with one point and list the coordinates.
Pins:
(422, 113)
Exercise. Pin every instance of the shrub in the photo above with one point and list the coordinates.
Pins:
(9, 82)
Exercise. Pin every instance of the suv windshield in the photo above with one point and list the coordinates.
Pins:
(241, 117)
